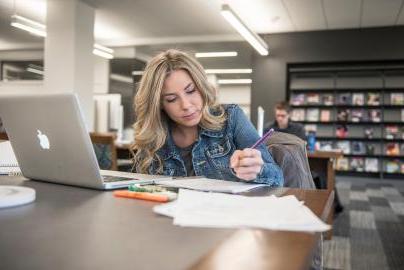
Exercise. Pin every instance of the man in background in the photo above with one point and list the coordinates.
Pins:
(282, 122)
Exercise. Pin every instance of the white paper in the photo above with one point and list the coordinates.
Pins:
(213, 185)
(217, 210)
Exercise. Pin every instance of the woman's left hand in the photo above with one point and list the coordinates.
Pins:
(246, 163)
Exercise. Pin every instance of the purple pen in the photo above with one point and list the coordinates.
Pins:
(263, 138)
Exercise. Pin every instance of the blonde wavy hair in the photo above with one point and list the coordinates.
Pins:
(151, 125)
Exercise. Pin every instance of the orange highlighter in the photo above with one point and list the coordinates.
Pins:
(142, 195)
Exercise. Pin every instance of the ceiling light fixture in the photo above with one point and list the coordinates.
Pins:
(234, 81)
(215, 54)
(103, 51)
(39, 29)
(28, 25)
(137, 72)
(228, 71)
(36, 71)
(252, 38)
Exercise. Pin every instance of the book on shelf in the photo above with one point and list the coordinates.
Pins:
(371, 165)
(298, 115)
(342, 164)
(368, 132)
(345, 146)
(341, 131)
(327, 99)
(358, 99)
(344, 99)
(392, 149)
(297, 99)
(357, 115)
(391, 132)
(313, 98)
(370, 149)
(402, 115)
(357, 164)
(310, 128)
(325, 115)
(312, 115)
(392, 166)
(373, 99)
(325, 145)
(374, 115)
(402, 167)
(343, 115)
(397, 99)
(358, 148)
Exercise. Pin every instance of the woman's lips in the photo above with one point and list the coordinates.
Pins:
(190, 116)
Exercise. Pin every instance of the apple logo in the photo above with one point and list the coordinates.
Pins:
(43, 140)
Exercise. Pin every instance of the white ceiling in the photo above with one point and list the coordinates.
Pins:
(145, 22)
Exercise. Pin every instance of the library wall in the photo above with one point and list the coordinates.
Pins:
(270, 72)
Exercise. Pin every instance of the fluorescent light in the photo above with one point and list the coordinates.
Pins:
(252, 38)
(228, 71)
(36, 71)
(40, 30)
(234, 81)
(121, 78)
(103, 51)
(137, 72)
(215, 54)
(102, 54)
(103, 48)
(28, 25)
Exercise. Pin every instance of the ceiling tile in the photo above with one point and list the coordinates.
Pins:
(306, 14)
(342, 13)
(380, 13)
(264, 16)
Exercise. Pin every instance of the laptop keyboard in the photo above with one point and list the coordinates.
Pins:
(111, 178)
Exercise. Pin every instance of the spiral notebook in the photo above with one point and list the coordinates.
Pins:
(8, 161)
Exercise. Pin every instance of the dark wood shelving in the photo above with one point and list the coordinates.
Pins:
(387, 106)
(334, 79)
(374, 156)
(360, 139)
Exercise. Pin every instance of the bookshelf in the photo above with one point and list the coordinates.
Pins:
(356, 107)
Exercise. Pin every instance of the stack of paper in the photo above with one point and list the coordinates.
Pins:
(201, 209)
(213, 185)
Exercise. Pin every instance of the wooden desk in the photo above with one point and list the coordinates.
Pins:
(322, 163)
(76, 228)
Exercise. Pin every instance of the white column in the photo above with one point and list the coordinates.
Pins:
(69, 62)
(101, 75)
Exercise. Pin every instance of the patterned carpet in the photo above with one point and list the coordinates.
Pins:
(369, 233)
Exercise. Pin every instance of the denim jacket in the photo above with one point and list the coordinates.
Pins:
(211, 153)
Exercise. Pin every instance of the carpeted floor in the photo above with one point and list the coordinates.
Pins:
(369, 233)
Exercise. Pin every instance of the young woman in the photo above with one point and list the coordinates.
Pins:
(181, 130)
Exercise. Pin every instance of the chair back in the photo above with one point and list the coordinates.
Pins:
(289, 152)
(105, 150)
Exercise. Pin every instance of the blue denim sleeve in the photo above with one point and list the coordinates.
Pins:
(245, 135)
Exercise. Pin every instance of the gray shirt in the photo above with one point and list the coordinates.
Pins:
(186, 154)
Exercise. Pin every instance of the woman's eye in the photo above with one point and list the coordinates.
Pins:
(170, 100)
(191, 90)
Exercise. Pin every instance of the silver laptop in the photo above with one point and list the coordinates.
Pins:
(52, 143)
